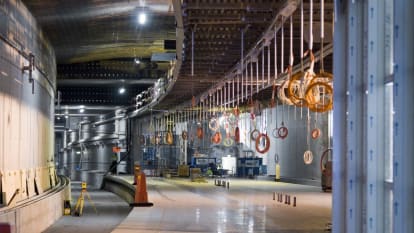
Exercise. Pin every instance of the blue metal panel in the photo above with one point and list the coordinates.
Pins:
(339, 117)
(355, 112)
(403, 118)
(375, 90)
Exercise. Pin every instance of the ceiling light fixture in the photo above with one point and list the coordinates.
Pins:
(82, 108)
(142, 18)
(137, 61)
(121, 90)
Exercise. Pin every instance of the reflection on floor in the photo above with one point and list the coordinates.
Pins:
(111, 211)
(247, 206)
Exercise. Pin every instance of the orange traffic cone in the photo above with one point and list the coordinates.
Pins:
(141, 195)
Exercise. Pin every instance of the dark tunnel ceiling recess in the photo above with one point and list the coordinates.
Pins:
(84, 31)
(96, 42)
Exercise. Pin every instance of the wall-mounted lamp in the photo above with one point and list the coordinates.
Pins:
(121, 90)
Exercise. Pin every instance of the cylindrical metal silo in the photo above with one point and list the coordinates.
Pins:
(27, 96)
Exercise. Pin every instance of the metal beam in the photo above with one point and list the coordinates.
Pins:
(97, 82)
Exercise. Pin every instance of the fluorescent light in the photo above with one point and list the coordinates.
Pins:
(121, 90)
(78, 152)
(142, 18)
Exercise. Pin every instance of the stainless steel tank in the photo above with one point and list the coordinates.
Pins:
(27, 94)
(85, 130)
(74, 137)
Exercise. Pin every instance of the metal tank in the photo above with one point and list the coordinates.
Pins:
(85, 130)
(89, 148)
(27, 92)
(74, 137)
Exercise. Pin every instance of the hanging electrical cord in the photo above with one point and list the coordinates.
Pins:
(241, 66)
(268, 64)
(308, 155)
(275, 54)
(193, 99)
(296, 86)
(274, 87)
(257, 76)
(282, 131)
(282, 89)
(263, 62)
(316, 132)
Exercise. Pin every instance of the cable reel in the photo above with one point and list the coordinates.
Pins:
(262, 136)
(216, 138)
(326, 102)
(308, 157)
(282, 92)
(184, 135)
(315, 133)
(214, 125)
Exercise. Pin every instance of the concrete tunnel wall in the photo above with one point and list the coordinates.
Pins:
(27, 167)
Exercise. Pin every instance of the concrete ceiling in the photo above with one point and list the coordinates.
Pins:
(90, 30)
(90, 33)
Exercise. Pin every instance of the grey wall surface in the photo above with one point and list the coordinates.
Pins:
(292, 148)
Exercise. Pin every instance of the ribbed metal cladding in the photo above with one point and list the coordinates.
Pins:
(98, 157)
(106, 129)
(27, 86)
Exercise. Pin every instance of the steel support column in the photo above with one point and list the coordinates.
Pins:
(339, 119)
(403, 119)
(359, 101)
(355, 207)
(375, 115)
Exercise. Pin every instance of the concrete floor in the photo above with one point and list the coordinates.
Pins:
(112, 210)
(248, 206)
(184, 206)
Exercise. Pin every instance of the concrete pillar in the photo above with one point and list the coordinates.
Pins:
(403, 206)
